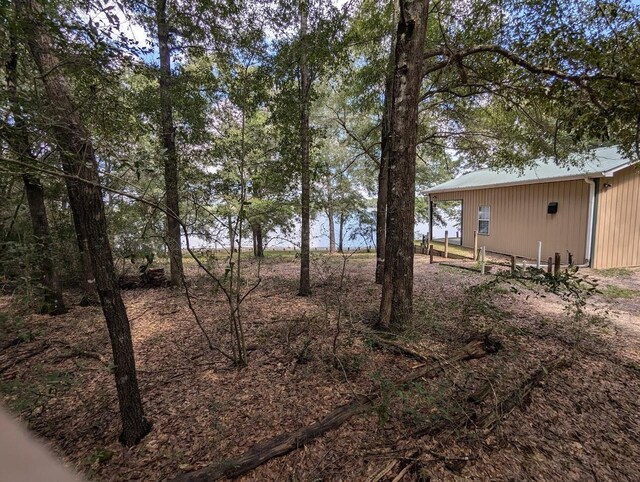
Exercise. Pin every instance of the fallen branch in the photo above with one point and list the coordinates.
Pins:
(402, 349)
(78, 353)
(385, 470)
(521, 396)
(411, 461)
(285, 443)
(403, 472)
(517, 398)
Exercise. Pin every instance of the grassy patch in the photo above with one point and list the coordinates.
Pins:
(614, 272)
(617, 292)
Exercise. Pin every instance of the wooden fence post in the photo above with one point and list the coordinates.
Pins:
(550, 265)
(475, 245)
(482, 254)
(431, 254)
(513, 264)
(556, 265)
(446, 244)
(570, 256)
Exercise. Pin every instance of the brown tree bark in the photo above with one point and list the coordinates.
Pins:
(305, 88)
(79, 163)
(383, 172)
(396, 305)
(254, 240)
(88, 282)
(259, 242)
(258, 246)
(383, 183)
(53, 302)
(169, 147)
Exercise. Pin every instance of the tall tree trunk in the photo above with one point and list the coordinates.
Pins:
(383, 183)
(169, 147)
(396, 305)
(254, 239)
(232, 237)
(341, 233)
(383, 173)
(259, 242)
(331, 217)
(88, 282)
(79, 163)
(53, 302)
(305, 87)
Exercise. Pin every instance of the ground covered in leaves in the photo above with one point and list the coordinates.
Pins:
(580, 420)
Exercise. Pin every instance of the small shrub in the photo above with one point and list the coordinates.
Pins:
(100, 456)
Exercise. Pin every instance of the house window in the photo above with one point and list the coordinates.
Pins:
(484, 218)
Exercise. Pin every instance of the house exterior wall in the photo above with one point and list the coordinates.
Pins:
(617, 232)
(519, 218)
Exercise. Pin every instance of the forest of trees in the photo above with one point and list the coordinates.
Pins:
(129, 130)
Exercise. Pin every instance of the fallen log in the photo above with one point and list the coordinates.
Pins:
(285, 443)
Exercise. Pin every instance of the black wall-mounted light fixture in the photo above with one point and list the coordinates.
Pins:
(552, 208)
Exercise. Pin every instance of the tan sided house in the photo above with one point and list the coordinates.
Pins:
(592, 211)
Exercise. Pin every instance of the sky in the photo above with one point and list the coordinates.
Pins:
(136, 32)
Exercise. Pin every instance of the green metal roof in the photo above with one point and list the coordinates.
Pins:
(598, 163)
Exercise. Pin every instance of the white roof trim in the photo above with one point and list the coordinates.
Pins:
(611, 172)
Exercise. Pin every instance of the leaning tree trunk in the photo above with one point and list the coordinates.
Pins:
(53, 303)
(305, 87)
(80, 166)
(397, 287)
(169, 147)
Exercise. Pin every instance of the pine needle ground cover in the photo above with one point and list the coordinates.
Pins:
(557, 397)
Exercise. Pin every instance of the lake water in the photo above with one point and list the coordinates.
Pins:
(320, 235)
